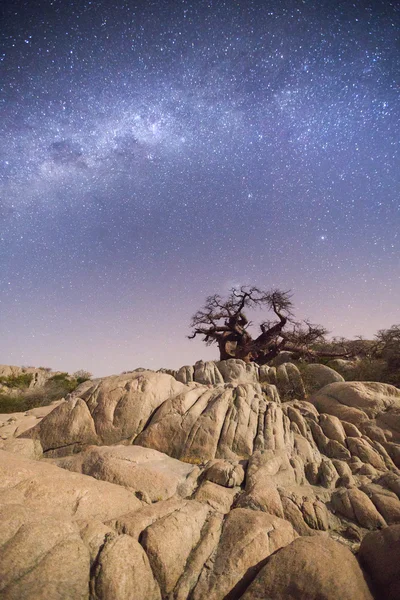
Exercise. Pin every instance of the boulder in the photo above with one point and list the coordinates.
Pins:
(380, 556)
(289, 381)
(41, 558)
(247, 539)
(185, 374)
(134, 523)
(224, 472)
(332, 428)
(316, 376)
(148, 473)
(353, 504)
(218, 497)
(68, 428)
(310, 568)
(207, 373)
(48, 491)
(355, 401)
(237, 371)
(14, 424)
(112, 409)
(123, 571)
(206, 423)
(169, 542)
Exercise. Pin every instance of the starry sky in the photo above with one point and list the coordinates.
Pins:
(153, 153)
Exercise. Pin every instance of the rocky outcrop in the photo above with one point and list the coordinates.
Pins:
(366, 405)
(158, 486)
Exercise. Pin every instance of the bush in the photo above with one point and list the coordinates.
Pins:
(60, 384)
(10, 404)
(17, 381)
(55, 388)
(82, 375)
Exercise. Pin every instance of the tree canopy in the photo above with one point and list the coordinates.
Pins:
(223, 321)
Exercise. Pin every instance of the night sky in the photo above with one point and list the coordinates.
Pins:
(153, 153)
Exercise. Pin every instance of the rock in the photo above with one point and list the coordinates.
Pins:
(394, 452)
(237, 371)
(94, 535)
(361, 448)
(169, 542)
(386, 502)
(210, 535)
(141, 470)
(216, 496)
(310, 567)
(296, 381)
(247, 539)
(266, 470)
(344, 471)
(355, 401)
(391, 481)
(296, 417)
(380, 556)
(346, 368)
(355, 505)
(113, 409)
(294, 515)
(202, 424)
(134, 523)
(185, 374)
(207, 373)
(317, 376)
(332, 428)
(68, 428)
(25, 447)
(41, 558)
(389, 422)
(48, 491)
(327, 474)
(350, 429)
(288, 381)
(282, 358)
(227, 473)
(123, 572)
(14, 424)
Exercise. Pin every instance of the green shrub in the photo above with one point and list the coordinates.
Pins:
(17, 381)
(10, 404)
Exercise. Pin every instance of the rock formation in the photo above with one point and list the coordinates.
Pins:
(218, 481)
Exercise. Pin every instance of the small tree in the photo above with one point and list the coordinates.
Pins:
(222, 321)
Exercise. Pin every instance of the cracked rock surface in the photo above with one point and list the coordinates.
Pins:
(215, 482)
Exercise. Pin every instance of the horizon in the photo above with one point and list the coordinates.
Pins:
(155, 153)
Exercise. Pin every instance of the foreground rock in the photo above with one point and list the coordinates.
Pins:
(310, 568)
(174, 489)
(380, 556)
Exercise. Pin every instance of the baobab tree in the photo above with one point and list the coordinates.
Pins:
(223, 321)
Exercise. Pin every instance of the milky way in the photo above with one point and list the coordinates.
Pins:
(154, 153)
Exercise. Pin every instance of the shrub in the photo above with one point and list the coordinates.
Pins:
(10, 404)
(82, 375)
(17, 381)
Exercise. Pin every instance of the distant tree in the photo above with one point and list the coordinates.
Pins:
(223, 321)
(387, 346)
